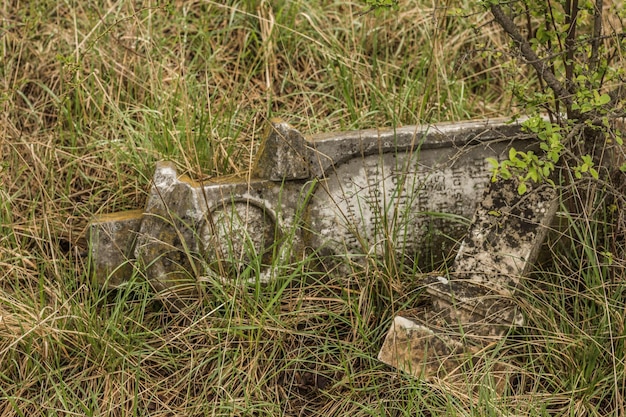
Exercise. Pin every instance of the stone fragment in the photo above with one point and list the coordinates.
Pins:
(112, 243)
(474, 304)
(419, 350)
(192, 230)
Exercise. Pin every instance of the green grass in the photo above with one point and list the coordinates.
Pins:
(92, 95)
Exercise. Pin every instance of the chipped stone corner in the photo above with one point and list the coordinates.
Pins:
(282, 154)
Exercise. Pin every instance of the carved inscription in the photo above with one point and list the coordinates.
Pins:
(418, 205)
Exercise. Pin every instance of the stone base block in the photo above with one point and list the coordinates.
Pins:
(112, 239)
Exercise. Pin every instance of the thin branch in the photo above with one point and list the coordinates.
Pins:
(597, 33)
(550, 10)
(529, 23)
(571, 18)
(547, 22)
(531, 58)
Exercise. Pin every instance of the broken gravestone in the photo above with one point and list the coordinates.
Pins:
(344, 195)
(347, 196)
(473, 305)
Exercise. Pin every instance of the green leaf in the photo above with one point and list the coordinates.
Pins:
(546, 171)
(521, 188)
(554, 156)
(493, 162)
(603, 99)
(532, 174)
(609, 256)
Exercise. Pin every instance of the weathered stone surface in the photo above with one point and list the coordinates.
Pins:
(282, 155)
(475, 309)
(190, 230)
(412, 189)
(328, 150)
(501, 246)
(506, 235)
(243, 233)
(112, 242)
(414, 202)
(170, 237)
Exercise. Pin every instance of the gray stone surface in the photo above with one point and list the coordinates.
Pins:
(282, 155)
(191, 230)
(415, 202)
(412, 189)
(112, 242)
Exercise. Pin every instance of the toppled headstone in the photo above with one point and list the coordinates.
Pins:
(345, 195)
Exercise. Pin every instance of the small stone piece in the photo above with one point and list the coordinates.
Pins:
(112, 243)
(420, 351)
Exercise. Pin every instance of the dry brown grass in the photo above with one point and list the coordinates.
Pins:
(92, 94)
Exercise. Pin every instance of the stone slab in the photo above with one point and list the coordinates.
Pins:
(416, 202)
(412, 189)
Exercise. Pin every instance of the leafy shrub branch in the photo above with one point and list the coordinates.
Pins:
(566, 45)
